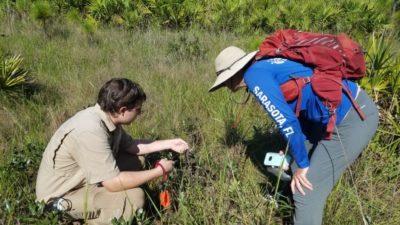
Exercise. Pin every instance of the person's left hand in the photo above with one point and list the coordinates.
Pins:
(178, 145)
(285, 166)
(299, 180)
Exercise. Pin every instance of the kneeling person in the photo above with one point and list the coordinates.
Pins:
(94, 165)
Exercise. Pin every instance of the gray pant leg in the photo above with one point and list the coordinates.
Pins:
(331, 157)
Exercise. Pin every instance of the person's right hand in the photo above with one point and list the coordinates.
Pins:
(167, 164)
(299, 181)
(178, 145)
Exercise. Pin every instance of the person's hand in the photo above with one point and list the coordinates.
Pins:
(284, 167)
(168, 165)
(178, 145)
(299, 180)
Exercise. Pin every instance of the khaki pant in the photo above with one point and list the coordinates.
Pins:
(98, 206)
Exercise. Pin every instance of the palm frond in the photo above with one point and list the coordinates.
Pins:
(13, 75)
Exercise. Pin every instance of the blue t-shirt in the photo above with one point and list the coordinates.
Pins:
(263, 79)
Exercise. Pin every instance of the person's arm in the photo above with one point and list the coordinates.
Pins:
(142, 147)
(270, 96)
(131, 179)
(268, 93)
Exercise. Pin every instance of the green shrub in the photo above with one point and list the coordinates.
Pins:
(42, 11)
(17, 174)
(382, 69)
(90, 25)
(13, 76)
(73, 16)
(77, 4)
(104, 10)
(242, 16)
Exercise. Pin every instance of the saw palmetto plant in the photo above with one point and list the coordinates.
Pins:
(13, 76)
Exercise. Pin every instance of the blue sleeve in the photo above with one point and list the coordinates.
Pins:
(266, 89)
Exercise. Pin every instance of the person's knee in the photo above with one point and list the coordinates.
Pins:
(310, 218)
(118, 204)
(136, 197)
(309, 207)
(134, 200)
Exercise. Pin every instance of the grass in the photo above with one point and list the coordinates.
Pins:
(222, 181)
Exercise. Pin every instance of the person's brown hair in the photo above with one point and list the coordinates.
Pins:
(120, 92)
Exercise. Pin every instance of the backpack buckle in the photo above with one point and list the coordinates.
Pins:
(331, 110)
(306, 80)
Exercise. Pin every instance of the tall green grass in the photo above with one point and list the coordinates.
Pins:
(222, 181)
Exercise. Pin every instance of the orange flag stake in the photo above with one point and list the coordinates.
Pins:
(164, 196)
(165, 199)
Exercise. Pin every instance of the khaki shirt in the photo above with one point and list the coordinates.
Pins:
(82, 151)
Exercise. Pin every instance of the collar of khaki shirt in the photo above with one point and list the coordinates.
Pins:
(105, 117)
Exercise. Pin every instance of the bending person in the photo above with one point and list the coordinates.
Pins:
(318, 163)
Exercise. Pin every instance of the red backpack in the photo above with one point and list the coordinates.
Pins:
(332, 57)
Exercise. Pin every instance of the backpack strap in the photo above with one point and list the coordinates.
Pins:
(332, 113)
(300, 82)
(292, 89)
(354, 103)
(331, 123)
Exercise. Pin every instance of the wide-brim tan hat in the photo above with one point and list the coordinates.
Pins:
(228, 62)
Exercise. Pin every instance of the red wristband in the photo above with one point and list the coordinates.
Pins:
(162, 168)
